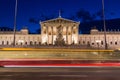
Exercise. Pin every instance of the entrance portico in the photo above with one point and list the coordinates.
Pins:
(52, 29)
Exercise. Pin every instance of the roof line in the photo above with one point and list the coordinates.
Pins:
(59, 18)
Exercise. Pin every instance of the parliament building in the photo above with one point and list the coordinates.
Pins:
(61, 32)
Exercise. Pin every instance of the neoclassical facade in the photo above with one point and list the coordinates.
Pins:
(22, 38)
(54, 30)
(61, 31)
(96, 39)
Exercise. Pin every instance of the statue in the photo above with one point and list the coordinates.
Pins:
(59, 40)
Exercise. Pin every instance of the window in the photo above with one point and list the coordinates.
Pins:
(21, 43)
(88, 43)
(39, 43)
(69, 33)
(2, 42)
(25, 43)
(31, 42)
(16, 43)
(101, 42)
(49, 33)
(7, 43)
(35, 42)
(111, 43)
(83, 42)
(44, 31)
(115, 43)
(92, 43)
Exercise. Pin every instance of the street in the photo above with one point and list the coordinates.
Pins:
(60, 73)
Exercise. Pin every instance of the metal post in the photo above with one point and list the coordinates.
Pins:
(106, 47)
(15, 23)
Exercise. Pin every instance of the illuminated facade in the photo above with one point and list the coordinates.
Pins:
(61, 31)
(96, 39)
(22, 38)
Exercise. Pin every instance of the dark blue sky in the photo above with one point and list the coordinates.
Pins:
(35, 8)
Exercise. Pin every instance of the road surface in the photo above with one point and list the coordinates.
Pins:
(60, 73)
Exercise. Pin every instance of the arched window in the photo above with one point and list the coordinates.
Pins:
(88, 43)
(111, 43)
(49, 33)
(92, 43)
(44, 31)
(83, 42)
(69, 33)
(115, 43)
(39, 43)
(101, 42)
(35, 43)
(7, 43)
(31, 43)
(2, 42)
(25, 43)
(21, 43)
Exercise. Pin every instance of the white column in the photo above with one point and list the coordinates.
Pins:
(41, 34)
(66, 35)
(72, 35)
(47, 35)
(52, 34)
(77, 35)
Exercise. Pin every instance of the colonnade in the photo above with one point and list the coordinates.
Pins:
(69, 34)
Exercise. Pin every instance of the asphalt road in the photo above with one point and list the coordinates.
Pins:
(61, 73)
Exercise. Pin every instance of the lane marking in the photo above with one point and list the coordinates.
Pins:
(58, 75)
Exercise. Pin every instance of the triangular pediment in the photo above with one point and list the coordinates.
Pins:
(59, 20)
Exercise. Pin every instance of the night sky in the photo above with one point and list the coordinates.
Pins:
(31, 11)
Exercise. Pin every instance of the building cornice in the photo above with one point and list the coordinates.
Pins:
(59, 18)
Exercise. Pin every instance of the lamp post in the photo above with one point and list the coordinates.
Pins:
(15, 17)
(106, 47)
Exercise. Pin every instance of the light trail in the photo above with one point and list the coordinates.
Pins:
(67, 65)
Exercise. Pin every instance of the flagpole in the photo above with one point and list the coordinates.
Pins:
(15, 17)
(103, 11)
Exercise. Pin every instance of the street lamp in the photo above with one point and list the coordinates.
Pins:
(106, 46)
(15, 23)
